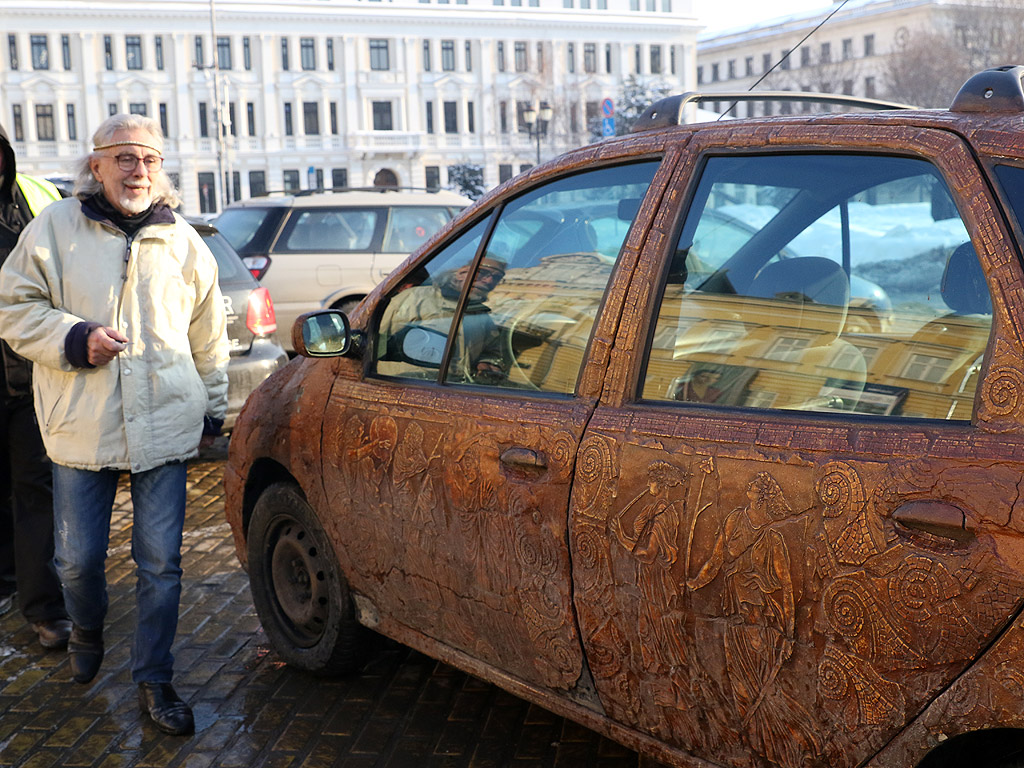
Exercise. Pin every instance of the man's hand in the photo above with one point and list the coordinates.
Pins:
(104, 344)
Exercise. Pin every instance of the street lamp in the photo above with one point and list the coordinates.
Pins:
(537, 122)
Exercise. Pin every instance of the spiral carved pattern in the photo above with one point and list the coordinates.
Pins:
(589, 549)
(535, 553)
(833, 680)
(914, 590)
(846, 609)
(1004, 391)
(563, 445)
(840, 489)
(594, 466)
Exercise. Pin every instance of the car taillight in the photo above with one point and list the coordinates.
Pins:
(257, 265)
(260, 319)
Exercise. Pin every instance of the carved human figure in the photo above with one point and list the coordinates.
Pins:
(760, 623)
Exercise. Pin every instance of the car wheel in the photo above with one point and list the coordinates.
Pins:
(301, 596)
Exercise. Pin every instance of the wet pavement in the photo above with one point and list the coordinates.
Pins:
(402, 710)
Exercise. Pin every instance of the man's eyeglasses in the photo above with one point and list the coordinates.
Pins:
(128, 162)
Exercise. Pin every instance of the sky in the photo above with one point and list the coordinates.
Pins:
(724, 14)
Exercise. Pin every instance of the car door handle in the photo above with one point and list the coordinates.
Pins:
(523, 458)
(935, 517)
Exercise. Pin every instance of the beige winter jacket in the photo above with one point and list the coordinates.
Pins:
(146, 407)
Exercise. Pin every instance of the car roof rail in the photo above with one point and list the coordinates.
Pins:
(992, 90)
(669, 111)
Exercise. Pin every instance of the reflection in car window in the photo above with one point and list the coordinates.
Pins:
(532, 295)
(824, 283)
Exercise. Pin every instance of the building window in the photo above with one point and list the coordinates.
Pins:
(869, 87)
(330, 54)
(73, 124)
(307, 53)
(200, 58)
(380, 59)
(636, 58)
(12, 51)
(108, 52)
(826, 53)
(224, 52)
(847, 48)
(784, 60)
(429, 115)
(289, 129)
(748, 66)
(432, 175)
(250, 117)
(447, 55)
(311, 118)
(805, 56)
(469, 56)
(608, 59)
(766, 62)
(570, 57)
(426, 55)
(158, 51)
(236, 185)
(503, 117)
(232, 119)
(451, 117)
(65, 51)
(162, 110)
(700, 74)
(291, 181)
(285, 65)
(40, 52)
(848, 87)
(257, 183)
(382, 116)
(869, 45)
(112, 108)
(247, 59)
(501, 57)
(540, 57)
(45, 130)
(504, 172)
(656, 62)
(470, 118)
(589, 58)
(520, 56)
(137, 108)
(207, 192)
(339, 178)
(133, 51)
(204, 123)
(333, 109)
(19, 125)
(714, 72)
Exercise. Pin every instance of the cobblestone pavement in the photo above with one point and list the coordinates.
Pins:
(402, 710)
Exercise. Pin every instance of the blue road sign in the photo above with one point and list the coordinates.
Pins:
(608, 126)
(608, 108)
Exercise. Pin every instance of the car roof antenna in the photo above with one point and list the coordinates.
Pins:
(786, 55)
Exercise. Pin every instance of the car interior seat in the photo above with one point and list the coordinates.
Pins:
(964, 289)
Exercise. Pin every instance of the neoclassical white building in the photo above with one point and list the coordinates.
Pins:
(321, 93)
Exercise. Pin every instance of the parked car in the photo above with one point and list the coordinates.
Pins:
(329, 249)
(252, 326)
(676, 495)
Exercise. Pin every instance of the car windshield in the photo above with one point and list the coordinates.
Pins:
(249, 230)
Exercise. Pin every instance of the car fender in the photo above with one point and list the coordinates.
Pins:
(345, 292)
(989, 694)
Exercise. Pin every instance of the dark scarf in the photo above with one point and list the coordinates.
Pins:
(130, 223)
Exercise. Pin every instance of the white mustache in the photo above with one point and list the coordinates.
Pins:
(137, 184)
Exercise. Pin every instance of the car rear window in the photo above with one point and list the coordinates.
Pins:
(229, 265)
(250, 230)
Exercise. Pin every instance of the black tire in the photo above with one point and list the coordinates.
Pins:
(301, 596)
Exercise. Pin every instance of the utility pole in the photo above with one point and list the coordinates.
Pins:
(223, 163)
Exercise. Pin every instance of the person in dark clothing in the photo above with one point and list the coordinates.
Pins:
(26, 485)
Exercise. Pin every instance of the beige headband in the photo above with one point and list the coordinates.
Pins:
(129, 144)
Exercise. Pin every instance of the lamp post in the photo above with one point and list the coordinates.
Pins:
(537, 122)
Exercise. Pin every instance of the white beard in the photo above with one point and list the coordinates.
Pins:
(136, 204)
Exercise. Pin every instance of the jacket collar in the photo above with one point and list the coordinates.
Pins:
(98, 209)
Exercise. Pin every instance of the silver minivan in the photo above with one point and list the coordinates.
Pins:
(329, 249)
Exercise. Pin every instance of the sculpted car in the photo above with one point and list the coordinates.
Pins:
(692, 491)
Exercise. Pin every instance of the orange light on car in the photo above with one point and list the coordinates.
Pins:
(260, 318)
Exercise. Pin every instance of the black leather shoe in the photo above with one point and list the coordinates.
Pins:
(169, 713)
(85, 650)
(53, 633)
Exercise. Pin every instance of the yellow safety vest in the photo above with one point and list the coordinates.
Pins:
(38, 193)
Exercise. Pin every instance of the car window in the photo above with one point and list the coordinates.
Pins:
(825, 283)
(410, 226)
(330, 229)
(250, 230)
(532, 295)
(229, 266)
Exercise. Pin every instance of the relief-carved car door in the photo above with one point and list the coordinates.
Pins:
(762, 585)
(453, 498)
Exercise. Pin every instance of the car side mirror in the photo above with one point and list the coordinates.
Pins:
(324, 333)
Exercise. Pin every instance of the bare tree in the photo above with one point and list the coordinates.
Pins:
(928, 65)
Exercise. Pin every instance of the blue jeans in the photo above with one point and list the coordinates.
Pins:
(82, 503)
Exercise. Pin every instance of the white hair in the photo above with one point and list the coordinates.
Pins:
(86, 185)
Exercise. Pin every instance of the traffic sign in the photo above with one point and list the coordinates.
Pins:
(608, 126)
(608, 108)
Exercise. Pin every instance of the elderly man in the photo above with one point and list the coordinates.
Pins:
(114, 298)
